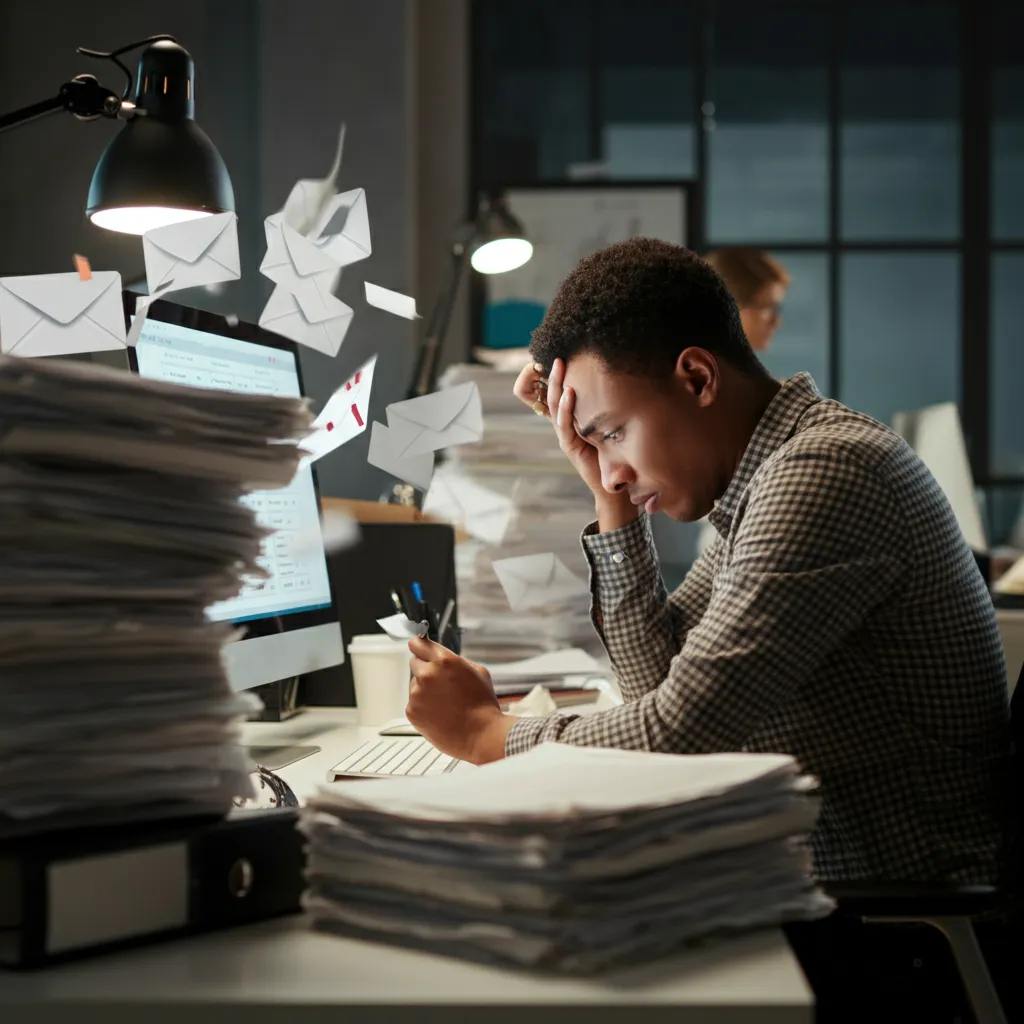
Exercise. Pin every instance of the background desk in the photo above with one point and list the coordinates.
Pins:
(281, 972)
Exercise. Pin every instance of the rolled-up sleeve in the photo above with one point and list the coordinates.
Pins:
(817, 548)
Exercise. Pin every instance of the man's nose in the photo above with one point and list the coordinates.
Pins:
(616, 476)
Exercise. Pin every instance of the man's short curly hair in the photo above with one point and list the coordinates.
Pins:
(638, 304)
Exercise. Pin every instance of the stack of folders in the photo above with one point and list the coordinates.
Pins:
(566, 859)
(120, 523)
(519, 460)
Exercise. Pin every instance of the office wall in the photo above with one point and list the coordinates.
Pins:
(323, 62)
(442, 155)
(273, 83)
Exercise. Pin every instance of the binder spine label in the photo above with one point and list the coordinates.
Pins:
(123, 895)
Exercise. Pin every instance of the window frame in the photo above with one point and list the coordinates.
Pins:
(975, 246)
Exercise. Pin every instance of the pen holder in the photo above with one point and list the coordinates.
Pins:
(280, 700)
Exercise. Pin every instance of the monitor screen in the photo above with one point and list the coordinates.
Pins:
(294, 554)
(936, 435)
(288, 621)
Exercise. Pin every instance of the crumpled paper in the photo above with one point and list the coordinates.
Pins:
(536, 704)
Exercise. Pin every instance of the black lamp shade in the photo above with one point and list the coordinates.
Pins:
(499, 243)
(161, 167)
(495, 220)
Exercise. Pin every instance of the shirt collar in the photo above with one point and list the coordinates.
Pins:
(776, 426)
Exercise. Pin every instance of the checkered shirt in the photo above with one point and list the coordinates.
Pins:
(839, 617)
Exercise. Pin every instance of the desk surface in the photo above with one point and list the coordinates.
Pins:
(281, 971)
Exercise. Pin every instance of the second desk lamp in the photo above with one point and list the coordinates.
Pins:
(493, 242)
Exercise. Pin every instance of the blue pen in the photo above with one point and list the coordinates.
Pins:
(417, 592)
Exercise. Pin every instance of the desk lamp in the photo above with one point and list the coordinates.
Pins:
(495, 243)
(161, 168)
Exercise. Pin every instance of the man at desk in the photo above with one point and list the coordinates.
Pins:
(838, 617)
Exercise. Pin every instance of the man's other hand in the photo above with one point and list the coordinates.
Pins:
(453, 706)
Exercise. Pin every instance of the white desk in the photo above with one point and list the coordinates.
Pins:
(281, 972)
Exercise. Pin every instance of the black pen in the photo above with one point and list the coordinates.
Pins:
(408, 608)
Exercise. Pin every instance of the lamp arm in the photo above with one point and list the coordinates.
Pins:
(83, 96)
(437, 325)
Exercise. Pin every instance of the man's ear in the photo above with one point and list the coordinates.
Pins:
(697, 373)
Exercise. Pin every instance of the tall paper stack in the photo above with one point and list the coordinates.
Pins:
(120, 523)
(519, 458)
(565, 858)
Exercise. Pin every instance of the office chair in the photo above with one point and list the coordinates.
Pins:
(952, 909)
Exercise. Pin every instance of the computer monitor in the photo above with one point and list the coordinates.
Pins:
(934, 433)
(289, 620)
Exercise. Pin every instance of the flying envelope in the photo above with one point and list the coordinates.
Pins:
(192, 253)
(344, 415)
(448, 417)
(61, 315)
(532, 581)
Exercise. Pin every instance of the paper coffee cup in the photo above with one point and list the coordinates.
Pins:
(381, 674)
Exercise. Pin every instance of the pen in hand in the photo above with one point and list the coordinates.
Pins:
(445, 619)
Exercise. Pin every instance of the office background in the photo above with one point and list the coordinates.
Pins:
(876, 148)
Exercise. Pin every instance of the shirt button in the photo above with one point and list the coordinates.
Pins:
(618, 558)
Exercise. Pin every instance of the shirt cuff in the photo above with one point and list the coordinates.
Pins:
(618, 551)
(526, 733)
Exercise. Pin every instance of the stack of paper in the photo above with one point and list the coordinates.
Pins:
(120, 523)
(517, 495)
(565, 858)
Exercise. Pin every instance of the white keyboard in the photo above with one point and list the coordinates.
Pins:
(394, 756)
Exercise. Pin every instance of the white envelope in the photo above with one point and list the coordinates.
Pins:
(384, 454)
(344, 415)
(292, 260)
(484, 513)
(343, 230)
(391, 302)
(440, 420)
(61, 315)
(312, 317)
(532, 581)
(196, 252)
(309, 197)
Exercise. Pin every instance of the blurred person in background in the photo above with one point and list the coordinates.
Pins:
(758, 283)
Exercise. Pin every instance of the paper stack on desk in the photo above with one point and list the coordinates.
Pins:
(120, 523)
(566, 859)
(517, 496)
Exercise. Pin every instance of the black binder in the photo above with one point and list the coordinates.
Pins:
(64, 895)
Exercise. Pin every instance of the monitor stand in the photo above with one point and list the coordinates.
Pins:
(280, 701)
(274, 758)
